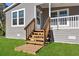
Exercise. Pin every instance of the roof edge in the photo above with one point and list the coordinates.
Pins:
(11, 6)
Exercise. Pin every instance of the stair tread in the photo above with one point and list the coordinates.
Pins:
(34, 38)
(37, 36)
(42, 33)
(35, 42)
(39, 30)
(41, 39)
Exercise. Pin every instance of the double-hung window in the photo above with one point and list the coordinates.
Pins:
(57, 15)
(18, 17)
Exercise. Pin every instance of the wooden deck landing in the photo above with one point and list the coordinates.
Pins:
(29, 48)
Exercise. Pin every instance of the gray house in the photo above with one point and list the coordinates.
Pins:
(64, 21)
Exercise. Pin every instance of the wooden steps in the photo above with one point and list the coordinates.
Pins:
(38, 33)
(36, 39)
(35, 42)
(37, 36)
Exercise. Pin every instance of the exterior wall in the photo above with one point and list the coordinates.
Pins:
(19, 32)
(69, 35)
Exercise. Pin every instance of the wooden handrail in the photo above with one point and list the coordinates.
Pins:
(46, 28)
(30, 28)
(46, 23)
(29, 24)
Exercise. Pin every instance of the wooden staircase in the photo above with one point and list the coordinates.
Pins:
(38, 37)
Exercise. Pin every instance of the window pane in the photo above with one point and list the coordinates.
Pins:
(54, 14)
(14, 14)
(21, 21)
(14, 21)
(21, 13)
(63, 13)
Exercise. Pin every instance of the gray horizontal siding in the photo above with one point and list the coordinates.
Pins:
(63, 35)
(19, 32)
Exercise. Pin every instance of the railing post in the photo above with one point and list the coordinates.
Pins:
(49, 29)
(49, 23)
(44, 36)
(57, 23)
(26, 34)
(34, 24)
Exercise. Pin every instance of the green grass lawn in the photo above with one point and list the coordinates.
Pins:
(52, 49)
(7, 47)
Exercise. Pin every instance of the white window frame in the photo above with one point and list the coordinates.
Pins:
(17, 18)
(61, 16)
(61, 10)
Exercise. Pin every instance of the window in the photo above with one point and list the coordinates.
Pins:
(59, 13)
(18, 17)
(54, 14)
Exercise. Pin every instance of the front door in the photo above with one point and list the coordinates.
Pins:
(39, 18)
